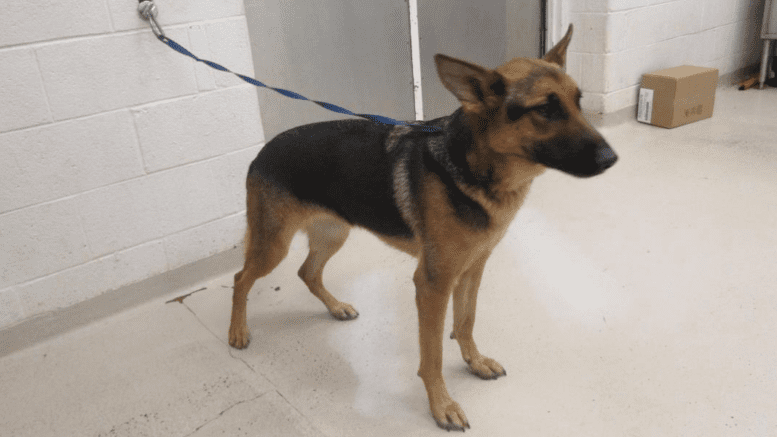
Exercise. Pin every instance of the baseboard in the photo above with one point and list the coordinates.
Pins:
(610, 119)
(733, 78)
(49, 325)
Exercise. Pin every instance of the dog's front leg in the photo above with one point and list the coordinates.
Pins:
(433, 289)
(464, 304)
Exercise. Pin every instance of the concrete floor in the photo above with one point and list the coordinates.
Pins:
(638, 303)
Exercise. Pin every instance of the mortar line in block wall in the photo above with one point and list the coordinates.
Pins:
(184, 24)
(165, 243)
(123, 32)
(43, 88)
(140, 154)
(141, 106)
(110, 16)
(17, 303)
(62, 121)
(126, 249)
(665, 2)
(86, 263)
(84, 235)
(135, 107)
(663, 41)
(61, 39)
(132, 179)
(163, 239)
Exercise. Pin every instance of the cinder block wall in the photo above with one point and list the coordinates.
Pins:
(617, 41)
(121, 158)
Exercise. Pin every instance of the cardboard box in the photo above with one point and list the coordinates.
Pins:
(677, 96)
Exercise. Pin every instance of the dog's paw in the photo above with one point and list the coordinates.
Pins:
(343, 311)
(239, 337)
(486, 368)
(450, 417)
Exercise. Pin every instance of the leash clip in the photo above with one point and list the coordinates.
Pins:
(148, 10)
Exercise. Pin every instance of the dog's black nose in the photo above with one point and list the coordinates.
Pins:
(605, 157)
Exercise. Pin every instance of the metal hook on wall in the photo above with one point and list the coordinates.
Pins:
(148, 10)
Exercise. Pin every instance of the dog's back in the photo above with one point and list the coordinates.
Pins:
(341, 166)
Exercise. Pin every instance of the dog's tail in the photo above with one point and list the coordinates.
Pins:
(251, 213)
(247, 241)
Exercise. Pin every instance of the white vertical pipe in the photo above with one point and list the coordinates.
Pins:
(415, 53)
(557, 15)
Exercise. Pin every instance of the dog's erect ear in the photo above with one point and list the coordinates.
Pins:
(558, 54)
(476, 87)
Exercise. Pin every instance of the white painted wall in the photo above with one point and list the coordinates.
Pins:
(121, 158)
(617, 41)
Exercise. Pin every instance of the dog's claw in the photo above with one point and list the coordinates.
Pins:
(448, 426)
(452, 418)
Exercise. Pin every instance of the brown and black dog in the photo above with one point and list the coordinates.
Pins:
(445, 197)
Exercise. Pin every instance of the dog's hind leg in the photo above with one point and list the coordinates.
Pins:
(326, 237)
(464, 304)
(272, 223)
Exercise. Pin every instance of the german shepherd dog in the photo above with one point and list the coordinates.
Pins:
(445, 197)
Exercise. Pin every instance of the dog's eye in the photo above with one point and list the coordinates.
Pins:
(545, 110)
(551, 110)
(515, 112)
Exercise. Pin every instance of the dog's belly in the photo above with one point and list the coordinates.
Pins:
(410, 246)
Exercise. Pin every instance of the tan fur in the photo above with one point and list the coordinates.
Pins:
(451, 253)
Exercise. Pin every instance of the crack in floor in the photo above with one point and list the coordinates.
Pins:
(224, 411)
(229, 351)
(180, 299)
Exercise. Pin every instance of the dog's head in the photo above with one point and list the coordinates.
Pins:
(529, 109)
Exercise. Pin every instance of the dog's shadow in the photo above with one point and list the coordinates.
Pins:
(294, 349)
(365, 363)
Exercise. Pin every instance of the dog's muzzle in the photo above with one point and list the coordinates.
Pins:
(584, 156)
(595, 158)
(605, 157)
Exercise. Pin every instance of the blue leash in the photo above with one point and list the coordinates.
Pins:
(148, 10)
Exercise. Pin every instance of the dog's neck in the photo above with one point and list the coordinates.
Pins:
(502, 179)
